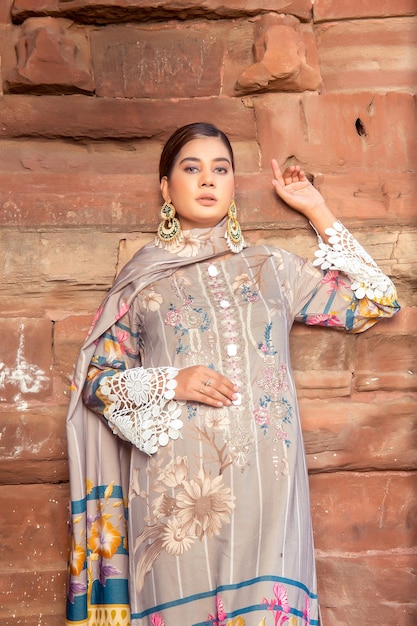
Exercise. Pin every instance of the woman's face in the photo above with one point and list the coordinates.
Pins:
(202, 183)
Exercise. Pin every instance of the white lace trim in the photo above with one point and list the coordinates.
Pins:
(344, 253)
(143, 409)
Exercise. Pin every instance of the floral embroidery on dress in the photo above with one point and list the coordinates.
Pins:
(274, 411)
(151, 300)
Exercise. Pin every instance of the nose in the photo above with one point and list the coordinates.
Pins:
(207, 178)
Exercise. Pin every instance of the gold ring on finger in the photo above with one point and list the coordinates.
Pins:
(202, 390)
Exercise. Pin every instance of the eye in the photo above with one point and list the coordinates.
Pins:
(191, 168)
(221, 170)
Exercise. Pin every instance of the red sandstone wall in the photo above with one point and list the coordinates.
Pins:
(90, 90)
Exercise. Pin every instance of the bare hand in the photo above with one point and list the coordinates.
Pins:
(295, 189)
(205, 385)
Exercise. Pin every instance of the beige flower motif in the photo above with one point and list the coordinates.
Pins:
(163, 506)
(174, 538)
(187, 247)
(278, 255)
(152, 301)
(175, 472)
(242, 279)
(204, 505)
(216, 419)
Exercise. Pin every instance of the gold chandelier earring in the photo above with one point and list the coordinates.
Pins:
(233, 234)
(169, 230)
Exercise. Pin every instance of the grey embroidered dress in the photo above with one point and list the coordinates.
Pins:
(218, 522)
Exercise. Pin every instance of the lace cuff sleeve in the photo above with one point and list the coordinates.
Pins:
(344, 253)
(140, 406)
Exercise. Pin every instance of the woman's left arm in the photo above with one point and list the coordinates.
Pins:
(295, 189)
(338, 249)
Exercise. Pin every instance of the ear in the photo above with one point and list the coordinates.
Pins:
(165, 189)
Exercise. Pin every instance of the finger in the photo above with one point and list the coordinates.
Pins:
(277, 171)
(220, 389)
(290, 175)
(212, 397)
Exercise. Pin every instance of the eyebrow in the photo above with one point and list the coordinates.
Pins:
(196, 160)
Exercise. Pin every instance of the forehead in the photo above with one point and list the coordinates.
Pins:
(204, 148)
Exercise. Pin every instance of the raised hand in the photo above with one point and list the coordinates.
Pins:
(295, 189)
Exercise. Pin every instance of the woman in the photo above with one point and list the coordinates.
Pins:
(183, 429)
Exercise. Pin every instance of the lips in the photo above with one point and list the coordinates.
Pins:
(207, 199)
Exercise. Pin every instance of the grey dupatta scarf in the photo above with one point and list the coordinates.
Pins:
(99, 461)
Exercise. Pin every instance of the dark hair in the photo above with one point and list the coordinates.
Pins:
(181, 137)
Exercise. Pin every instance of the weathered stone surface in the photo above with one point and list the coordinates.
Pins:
(353, 55)
(52, 57)
(324, 131)
(69, 336)
(5, 9)
(325, 369)
(33, 447)
(9, 36)
(52, 116)
(387, 355)
(73, 272)
(285, 59)
(360, 513)
(33, 540)
(325, 10)
(368, 588)
(104, 11)
(25, 369)
(102, 157)
(188, 62)
(361, 435)
(362, 193)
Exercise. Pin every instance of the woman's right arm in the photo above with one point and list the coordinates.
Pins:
(143, 405)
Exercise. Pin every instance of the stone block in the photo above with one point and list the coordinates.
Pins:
(25, 371)
(53, 56)
(368, 589)
(187, 64)
(42, 199)
(34, 531)
(119, 118)
(338, 133)
(73, 272)
(387, 357)
(368, 55)
(355, 434)
(9, 36)
(359, 513)
(33, 447)
(328, 349)
(31, 598)
(325, 369)
(95, 11)
(285, 59)
(365, 195)
(325, 10)
(33, 537)
(69, 336)
(92, 157)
